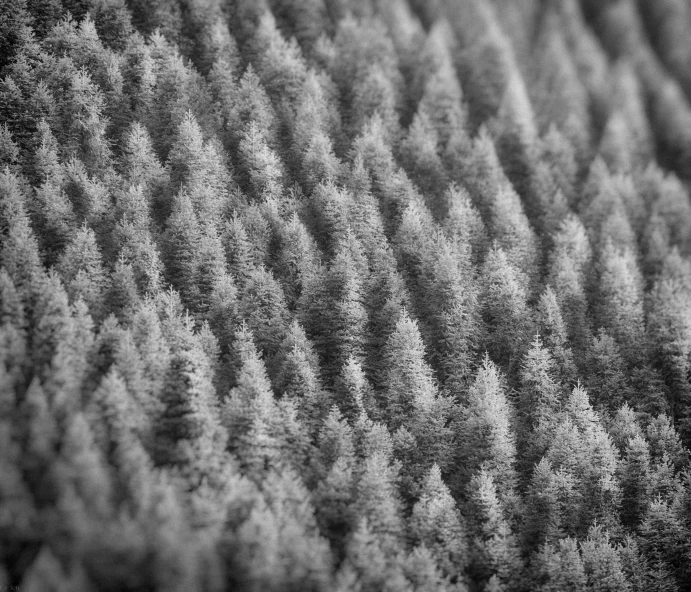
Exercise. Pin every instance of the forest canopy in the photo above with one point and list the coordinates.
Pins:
(345, 295)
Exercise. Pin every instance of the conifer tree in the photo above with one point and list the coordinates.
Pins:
(483, 432)
(551, 505)
(464, 225)
(241, 104)
(280, 64)
(494, 549)
(386, 295)
(297, 259)
(436, 523)
(568, 267)
(670, 331)
(176, 90)
(198, 166)
(441, 99)
(81, 269)
(262, 167)
(259, 430)
(140, 165)
(334, 498)
(333, 308)
(553, 330)
(182, 239)
(540, 401)
(354, 393)
(407, 375)
(377, 501)
(621, 308)
(602, 563)
(635, 481)
(500, 205)
(190, 435)
(456, 314)
(505, 309)
(561, 567)
(261, 304)
(421, 160)
(664, 541)
(297, 372)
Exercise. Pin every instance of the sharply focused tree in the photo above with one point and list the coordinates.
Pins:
(506, 309)
(333, 310)
(436, 523)
(494, 550)
(483, 432)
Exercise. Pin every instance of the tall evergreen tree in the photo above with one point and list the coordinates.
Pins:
(506, 310)
(483, 432)
(495, 555)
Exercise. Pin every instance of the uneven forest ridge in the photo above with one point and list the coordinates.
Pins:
(345, 295)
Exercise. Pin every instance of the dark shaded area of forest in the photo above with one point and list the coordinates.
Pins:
(345, 295)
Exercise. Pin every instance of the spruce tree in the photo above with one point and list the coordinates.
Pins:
(494, 548)
(506, 310)
(483, 432)
(436, 524)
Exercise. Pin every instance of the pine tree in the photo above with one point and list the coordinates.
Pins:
(241, 104)
(560, 567)
(297, 259)
(333, 309)
(297, 376)
(198, 166)
(61, 342)
(621, 307)
(560, 96)
(505, 309)
(553, 329)
(15, 17)
(494, 548)
(262, 306)
(664, 539)
(551, 505)
(334, 499)
(456, 319)
(407, 375)
(464, 225)
(81, 269)
(483, 432)
(190, 435)
(500, 206)
(316, 122)
(280, 64)
(181, 244)
(422, 162)
(20, 250)
(354, 394)
(278, 545)
(422, 571)
(173, 89)
(436, 524)
(539, 403)
(559, 155)
(386, 295)
(377, 501)
(262, 167)
(441, 95)
(635, 481)
(568, 267)
(670, 298)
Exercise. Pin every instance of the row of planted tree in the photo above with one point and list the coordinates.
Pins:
(345, 295)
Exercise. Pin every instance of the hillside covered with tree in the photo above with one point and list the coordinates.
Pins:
(345, 295)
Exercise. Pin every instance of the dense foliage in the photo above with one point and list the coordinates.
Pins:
(350, 295)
